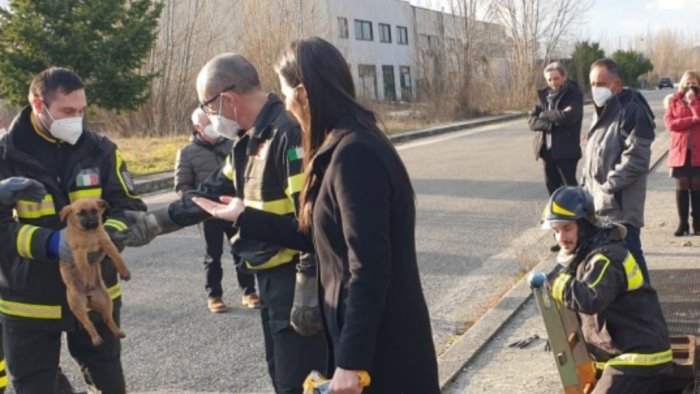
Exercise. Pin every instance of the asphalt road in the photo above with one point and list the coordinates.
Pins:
(479, 195)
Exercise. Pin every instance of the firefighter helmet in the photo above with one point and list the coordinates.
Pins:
(568, 203)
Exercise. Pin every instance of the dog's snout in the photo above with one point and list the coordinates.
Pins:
(89, 224)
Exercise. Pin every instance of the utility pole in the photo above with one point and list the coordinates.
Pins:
(301, 20)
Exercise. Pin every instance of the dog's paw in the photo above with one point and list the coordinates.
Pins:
(97, 340)
(126, 275)
(120, 334)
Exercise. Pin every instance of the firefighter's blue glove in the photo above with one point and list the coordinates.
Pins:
(536, 279)
(143, 227)
(16, 188)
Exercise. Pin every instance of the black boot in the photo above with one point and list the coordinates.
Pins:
(695, 203)
(682, 200)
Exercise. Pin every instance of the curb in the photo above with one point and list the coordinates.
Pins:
(164, 180)
(453, 361)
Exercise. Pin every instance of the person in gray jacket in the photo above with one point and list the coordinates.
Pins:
(195, 163)
(617, 152)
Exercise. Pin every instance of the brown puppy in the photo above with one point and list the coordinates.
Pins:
(84, 285)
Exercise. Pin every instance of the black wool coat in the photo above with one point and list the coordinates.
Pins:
(564, 126)
(363, 234)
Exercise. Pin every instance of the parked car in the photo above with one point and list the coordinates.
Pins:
(665, 82)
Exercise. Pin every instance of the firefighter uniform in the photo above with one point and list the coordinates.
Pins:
(620, 314)
(269, 177)
(33, 307)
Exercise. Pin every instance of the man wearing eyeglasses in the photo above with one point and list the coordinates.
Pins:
(265, 170)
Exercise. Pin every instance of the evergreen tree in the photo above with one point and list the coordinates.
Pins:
(585, 53)
(103, 41)
(632, 65)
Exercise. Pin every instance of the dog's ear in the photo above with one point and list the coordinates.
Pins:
(65, 211)
(104, 205)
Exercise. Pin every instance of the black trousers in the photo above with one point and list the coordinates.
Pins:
(214, 231)
(33, 356)
(558, 173)
(290, 356)
(614, 381)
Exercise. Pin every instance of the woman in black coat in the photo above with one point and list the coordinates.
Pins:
(358, 216)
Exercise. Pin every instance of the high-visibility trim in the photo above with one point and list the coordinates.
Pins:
(294, 184)
(85, 193)
(118, 167)
(556, 208)
(3, 365)
(597, 258)
(638, 359)
(3, 381)
(24, 240)
(283, 257)
(34, 210)
(34, 311)
(116, 224)
(115, 291)
(635, 279)
(228, 170)
(559, 286)
(280, 207)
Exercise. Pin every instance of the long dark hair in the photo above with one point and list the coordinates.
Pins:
(325, 74)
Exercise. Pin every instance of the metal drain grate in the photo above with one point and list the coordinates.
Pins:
(679, 294)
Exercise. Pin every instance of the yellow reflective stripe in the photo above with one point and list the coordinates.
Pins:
(3, 381)
(283, 257)
(639, 360)
(228, 169)
(34, 311)
(559, 286)
(33, 210)
(116, 224)
(635, 279)
(115, 291)
(556, 208)
(294, 184)
(120, 161)
(24, 240)
(280, 207)
(597, 258)
(85, 193)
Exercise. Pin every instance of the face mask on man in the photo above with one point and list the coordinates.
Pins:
(224, 126)
(209, 132)
(601, 95)
(66, 129)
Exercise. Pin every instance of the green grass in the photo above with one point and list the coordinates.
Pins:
(147, 155)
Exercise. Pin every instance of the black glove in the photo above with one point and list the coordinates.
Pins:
(305, 317)
(16, 188)
(536, 110)
(144, 227)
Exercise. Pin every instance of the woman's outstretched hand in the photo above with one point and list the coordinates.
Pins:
(229, 208)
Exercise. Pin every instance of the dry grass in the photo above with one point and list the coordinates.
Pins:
(147, 155)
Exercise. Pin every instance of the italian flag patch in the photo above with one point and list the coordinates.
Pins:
(295, 154)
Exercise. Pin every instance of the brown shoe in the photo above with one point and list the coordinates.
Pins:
(251, 301)
(216, 305)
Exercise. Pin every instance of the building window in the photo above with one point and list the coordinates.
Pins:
(363, 30)
(406, 88)
(384, 33)
(389, 84)
(367, 81)
(342, 27)
(403, 35)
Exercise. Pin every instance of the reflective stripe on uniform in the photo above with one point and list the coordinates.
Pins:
(120, 162)
(34, 210)
(294, 184)
(115, 291)
(85, 193)
(559, 286)
(635, 279)
(24, 240)
(228, 170)
(596, 259)
(638, 359)
(283, 206)
(116, 224)
(283, 257)
(35, 311)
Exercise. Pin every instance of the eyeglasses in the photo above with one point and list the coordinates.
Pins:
(205, 105)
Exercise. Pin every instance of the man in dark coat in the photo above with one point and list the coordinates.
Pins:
(557, 123)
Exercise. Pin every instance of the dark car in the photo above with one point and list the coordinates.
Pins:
(665, 82)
